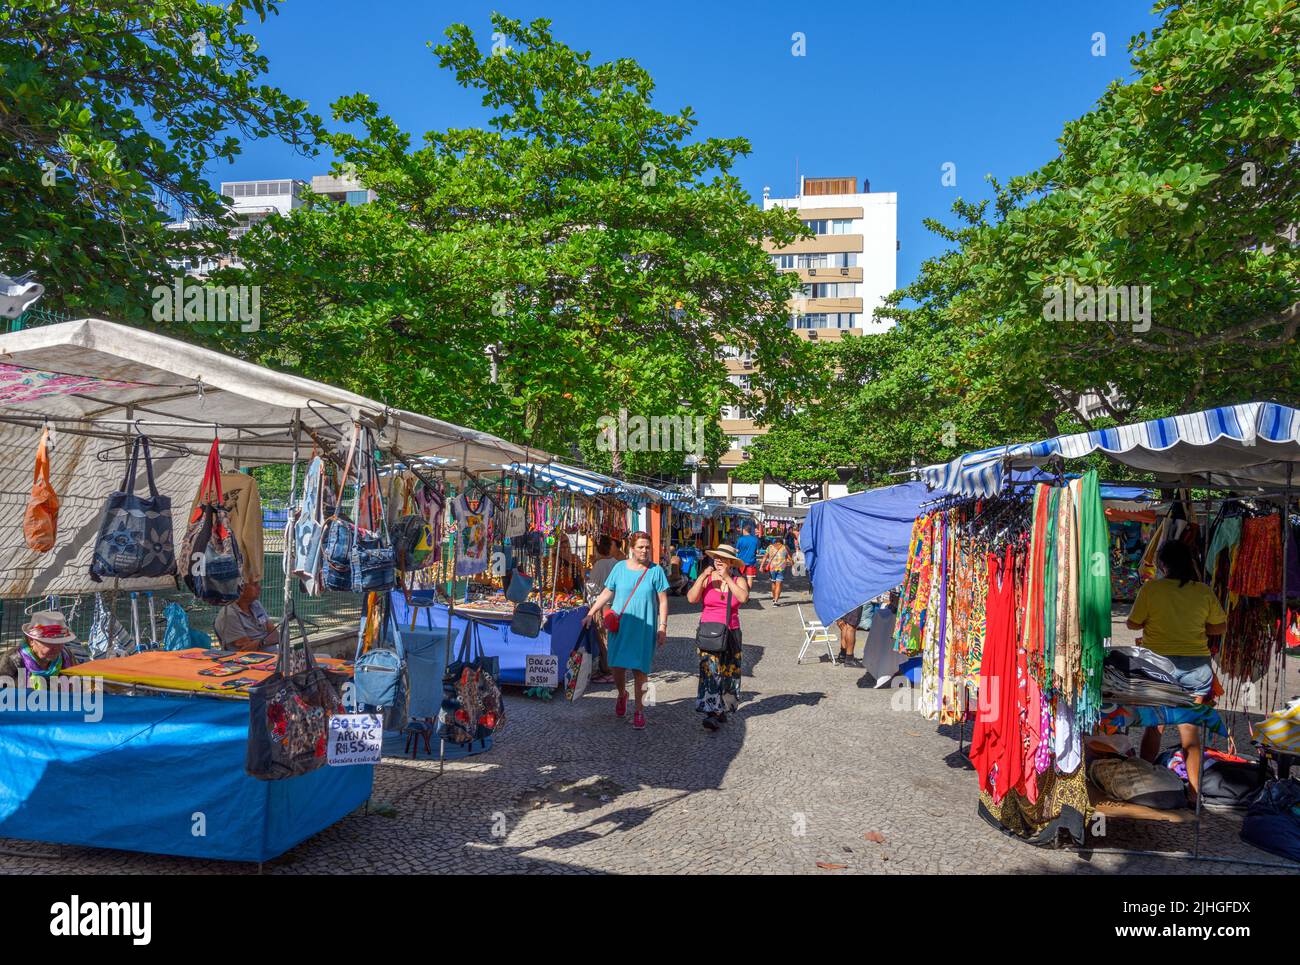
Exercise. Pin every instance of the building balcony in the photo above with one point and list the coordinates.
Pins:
(813, 306)
(826, 274)
(822, 244)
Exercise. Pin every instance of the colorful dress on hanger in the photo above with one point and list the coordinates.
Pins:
(916, 589)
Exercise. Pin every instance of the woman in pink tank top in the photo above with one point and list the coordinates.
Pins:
(721, 589)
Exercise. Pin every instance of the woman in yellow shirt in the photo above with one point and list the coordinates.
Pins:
(1177, 615)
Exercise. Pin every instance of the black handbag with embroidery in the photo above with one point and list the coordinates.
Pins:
(289, 713)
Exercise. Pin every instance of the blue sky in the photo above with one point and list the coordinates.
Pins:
(885, 91)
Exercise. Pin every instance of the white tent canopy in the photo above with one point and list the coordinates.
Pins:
(91, 379)
(104, 373)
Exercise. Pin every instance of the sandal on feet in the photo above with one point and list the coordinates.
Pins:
(620, 706)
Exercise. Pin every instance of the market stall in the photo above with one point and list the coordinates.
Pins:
(1007, 598)
(100, 399)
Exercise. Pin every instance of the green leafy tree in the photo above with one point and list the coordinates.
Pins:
(1181, 186)
(1183, 183)
(584, 246)
(110, 112)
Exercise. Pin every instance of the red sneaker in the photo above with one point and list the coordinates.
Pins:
(638, 721)
(620, 706)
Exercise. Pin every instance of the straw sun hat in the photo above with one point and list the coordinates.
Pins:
(49, 627)
(725, 552)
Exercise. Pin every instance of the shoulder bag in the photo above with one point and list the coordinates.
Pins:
(711, 637)
(289, 712)
(209, 551)
(135, 536)
(41, 521)
(612, 619)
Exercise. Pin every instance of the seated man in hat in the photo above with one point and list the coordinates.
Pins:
(245, 624)
(43, 653)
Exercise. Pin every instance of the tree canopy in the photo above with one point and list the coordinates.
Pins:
(109, 113)
(1181, 185)
(583, 244)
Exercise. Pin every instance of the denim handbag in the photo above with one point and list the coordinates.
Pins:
(377, 676)
(373, 559)
(135, 536)
(339, 532)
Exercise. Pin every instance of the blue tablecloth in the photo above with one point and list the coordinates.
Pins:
(559, 632)
(164, 775)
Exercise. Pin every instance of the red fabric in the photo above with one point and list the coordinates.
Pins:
(996, 750)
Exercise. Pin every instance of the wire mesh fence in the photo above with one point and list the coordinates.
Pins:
(326, 614)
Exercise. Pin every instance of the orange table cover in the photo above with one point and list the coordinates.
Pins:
(169, 669)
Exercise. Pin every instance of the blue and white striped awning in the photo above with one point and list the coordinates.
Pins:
(1256, 444)
(563, 477)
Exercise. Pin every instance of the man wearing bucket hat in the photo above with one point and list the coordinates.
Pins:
(43, 653)
(721, 588)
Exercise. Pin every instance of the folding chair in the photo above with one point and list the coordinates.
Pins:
(815, 632)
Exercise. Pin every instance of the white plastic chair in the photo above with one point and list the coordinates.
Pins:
(815, 632)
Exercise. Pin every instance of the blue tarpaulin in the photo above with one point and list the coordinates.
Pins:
(558, 635)
(164, 775)
(855, 547)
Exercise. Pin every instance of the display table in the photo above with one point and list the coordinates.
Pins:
(560, 631)
(163, 775)
(179, 670)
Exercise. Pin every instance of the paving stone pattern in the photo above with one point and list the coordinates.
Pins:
(794, 783)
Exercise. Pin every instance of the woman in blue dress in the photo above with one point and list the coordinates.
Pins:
(637, 591)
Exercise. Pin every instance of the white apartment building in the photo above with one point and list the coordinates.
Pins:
(847, 270)
(850, 267)
(254, 201)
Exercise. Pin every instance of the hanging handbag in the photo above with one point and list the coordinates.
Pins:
(135, 537)
(339, 531)
(613, 619)
(41, 521)
(712, 637)
(107, 636)
(309, 528)
(378, 671)
(578, 669)
(373, 560)
(526, 620)
(209, 551)
(472, 706)
(521, 586)
(289, 712)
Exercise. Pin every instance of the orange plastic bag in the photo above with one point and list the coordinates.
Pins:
(41, 522)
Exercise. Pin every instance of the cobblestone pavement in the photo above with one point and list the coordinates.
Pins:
(810, 766)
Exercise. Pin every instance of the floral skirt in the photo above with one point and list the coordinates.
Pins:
(719, 687)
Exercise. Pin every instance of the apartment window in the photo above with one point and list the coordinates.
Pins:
(358, 197)
(841, 226)
(783, 261)
(739, 380)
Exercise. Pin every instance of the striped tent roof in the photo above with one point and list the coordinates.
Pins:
(1255, 444)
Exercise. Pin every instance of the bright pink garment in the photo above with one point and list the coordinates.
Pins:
(715, 605)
